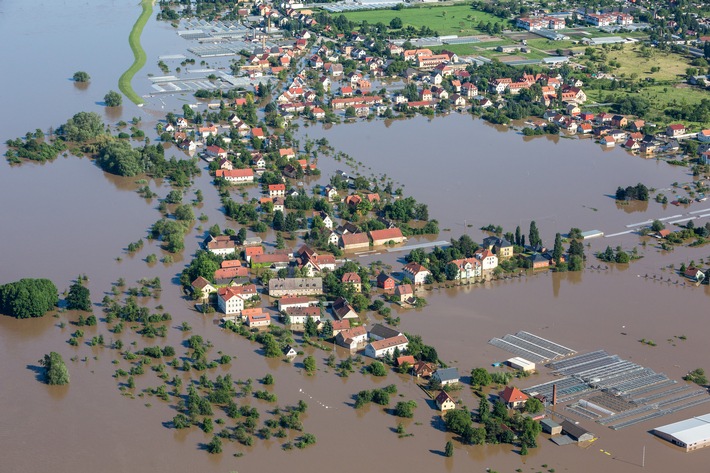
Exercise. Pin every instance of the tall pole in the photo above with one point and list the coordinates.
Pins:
(643, 457)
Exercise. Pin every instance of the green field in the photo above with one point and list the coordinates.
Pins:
(672, 66)
(472, 49)
(134, 40)
(460, 20)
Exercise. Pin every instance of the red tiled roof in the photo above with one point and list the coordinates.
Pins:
(386, 234)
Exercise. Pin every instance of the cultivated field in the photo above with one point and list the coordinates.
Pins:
(458, 19)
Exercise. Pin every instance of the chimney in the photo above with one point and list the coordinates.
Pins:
(554, 394)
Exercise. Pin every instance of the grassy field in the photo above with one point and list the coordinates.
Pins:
(457, 19)
(661, 98)
(134, 40)
(473, 49)
(672, 66)
(549, 45)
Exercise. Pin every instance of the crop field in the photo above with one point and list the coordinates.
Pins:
(449, 20)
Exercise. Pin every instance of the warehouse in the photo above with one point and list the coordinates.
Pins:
(690, 434)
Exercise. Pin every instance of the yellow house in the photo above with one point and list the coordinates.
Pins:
(444, 402)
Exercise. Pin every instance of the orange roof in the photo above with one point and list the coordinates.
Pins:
(387, 234)
(513, 394)
(231, 263)
(277, 187)
(253, 251)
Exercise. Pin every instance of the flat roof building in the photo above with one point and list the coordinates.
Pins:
(690, 434)
(521, 364)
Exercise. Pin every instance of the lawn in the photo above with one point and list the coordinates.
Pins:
(549, 45)
(473, 49)
(672, 66)
(459, 20)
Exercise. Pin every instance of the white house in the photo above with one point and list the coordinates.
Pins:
(380, 348)
(416, 272)
(327, 221)
(236, 176)
(229, 302)
(487, 258)
(299, 315)
(352, 338)
(468, 268)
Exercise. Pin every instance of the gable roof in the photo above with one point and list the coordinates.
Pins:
(447, 374)
(386, 234)
(442, 397)
(513, 394)
(389, 342)
(383, 331)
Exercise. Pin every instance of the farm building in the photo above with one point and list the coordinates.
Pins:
(690, 434)
(521, 364)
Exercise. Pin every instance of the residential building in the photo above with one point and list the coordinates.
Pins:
(352, 279)
(340, 325)
(352, 338)
(203, 287)
(258, 320)
(385, 282)
(277, 190)
(381, 332)
(487, 258)
(444, 402)
(343, 310)
(230, 300)
(468, 268)
(236, 176)
(423, 369)
(416, 272)
(295, 287)
(675, 129)
(221, 246)
(290, 302)
(289, 351)
(299, 315)
(380, 348)
(513, 397)
(446, 376)
(404, 292)
(273, 261)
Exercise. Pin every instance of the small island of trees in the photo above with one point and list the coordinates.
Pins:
(81, 76)
(56, 372)
(113, 99)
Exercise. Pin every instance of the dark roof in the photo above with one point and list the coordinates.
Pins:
(383, 331)
(573, 430)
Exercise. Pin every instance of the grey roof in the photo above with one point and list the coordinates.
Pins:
(550, 423)
(383, 331)
(447, 374)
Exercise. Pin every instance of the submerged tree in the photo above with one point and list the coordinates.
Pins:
(56, 372)
(81, 76)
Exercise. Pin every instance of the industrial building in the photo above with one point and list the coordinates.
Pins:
(690, 434)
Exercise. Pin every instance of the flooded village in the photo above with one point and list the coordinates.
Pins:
(317, 257)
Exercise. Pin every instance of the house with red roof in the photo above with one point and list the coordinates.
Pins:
(353, 279)
(277, 190)
(487, 258)
(214, 151)
(513, 397)
(404, 292)
(236, 176)
(675, 129)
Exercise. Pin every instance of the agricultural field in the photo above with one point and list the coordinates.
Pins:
(459, 20)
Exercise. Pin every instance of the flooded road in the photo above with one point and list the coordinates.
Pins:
(68, 217)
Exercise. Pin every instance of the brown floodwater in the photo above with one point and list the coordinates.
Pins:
(68, 217)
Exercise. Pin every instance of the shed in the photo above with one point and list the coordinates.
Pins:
(577, 432)
(551, 427)
(521, 364)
